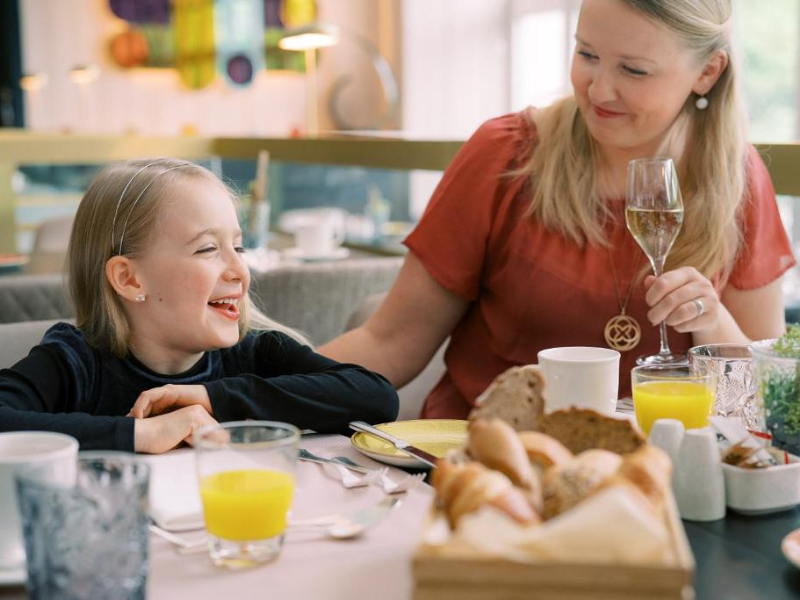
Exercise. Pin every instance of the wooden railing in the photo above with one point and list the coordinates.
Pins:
(19, 148)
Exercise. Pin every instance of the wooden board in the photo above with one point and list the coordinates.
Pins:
(455, 572)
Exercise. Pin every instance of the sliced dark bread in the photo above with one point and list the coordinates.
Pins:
(582, 429)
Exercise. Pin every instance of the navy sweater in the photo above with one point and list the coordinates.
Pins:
(68, 386)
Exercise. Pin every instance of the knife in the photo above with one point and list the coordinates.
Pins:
(419, 454)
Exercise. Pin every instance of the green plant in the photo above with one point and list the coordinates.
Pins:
(788, 345)
(780, 383)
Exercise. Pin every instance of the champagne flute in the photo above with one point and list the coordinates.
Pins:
(654, 215)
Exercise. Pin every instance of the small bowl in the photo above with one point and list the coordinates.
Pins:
(763, 491)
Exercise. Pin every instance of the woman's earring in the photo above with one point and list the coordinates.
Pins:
(701, 103)
(140, 297)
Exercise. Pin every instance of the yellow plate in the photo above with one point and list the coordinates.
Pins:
(436, 436)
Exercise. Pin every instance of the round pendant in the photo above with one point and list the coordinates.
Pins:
(622, 333)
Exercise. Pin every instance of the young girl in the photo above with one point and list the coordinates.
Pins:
(166, 337)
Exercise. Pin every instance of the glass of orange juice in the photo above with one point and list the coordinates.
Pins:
(672, 392)
(246, 473)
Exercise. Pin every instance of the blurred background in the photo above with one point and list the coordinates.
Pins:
(409, 69)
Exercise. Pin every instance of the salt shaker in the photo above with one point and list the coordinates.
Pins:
(698, 481)
(667, 434)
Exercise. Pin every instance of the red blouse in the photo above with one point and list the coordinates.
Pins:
(530, 288)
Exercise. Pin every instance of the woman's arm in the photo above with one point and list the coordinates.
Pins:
(399, 340)
(755, 314)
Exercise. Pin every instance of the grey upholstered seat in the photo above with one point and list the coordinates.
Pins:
(412, 395)
(16, 339)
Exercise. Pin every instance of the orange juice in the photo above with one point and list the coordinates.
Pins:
(246, 505)
(687, 401)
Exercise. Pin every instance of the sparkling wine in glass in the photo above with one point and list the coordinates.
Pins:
(654, 215)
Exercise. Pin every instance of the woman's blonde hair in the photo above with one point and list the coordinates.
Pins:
(118, 215)
(709, 147)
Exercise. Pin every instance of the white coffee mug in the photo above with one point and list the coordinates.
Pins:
(55, 451)
(580, 376)
(319, 238)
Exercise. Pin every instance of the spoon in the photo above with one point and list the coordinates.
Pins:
(336, 526)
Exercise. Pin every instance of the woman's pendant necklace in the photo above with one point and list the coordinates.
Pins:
(622, 332)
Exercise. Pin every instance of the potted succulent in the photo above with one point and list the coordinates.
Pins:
(776, 365)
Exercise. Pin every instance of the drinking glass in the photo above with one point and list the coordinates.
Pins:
(246, 473)
(736, 386)
(87, 538)
(654, 215)
(672, 392)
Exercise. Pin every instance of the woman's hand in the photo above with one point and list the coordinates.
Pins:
(168, 398)
(159, 434)
(684, 298)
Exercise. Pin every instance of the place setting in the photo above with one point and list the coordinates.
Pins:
(318, 237)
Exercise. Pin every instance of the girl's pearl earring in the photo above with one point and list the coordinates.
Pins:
(701, 103)
(140, 297)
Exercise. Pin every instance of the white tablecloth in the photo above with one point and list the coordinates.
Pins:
(311, 567)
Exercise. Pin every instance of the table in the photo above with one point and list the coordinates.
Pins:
(737, 557)
(310, 566)
(740, 557)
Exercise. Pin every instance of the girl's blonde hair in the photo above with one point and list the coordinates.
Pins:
(709, 147)
(109, 223)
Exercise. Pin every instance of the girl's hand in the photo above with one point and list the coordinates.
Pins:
(684, 299)
(168, 398)
(165, 432)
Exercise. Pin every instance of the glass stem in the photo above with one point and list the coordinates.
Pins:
(658, 270)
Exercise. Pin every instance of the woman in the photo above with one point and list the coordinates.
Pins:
(524, 246)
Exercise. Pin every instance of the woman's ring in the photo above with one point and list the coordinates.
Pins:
(701, 308)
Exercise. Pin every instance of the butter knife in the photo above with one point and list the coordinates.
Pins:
(418, 453)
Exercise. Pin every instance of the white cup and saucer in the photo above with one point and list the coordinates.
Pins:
(318, 240)
(57, 453)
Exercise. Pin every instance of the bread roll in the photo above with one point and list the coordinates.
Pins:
(463, 489)
(515, 396)
(571, 482)
(542, 450)
(582, 429)
(650, 469)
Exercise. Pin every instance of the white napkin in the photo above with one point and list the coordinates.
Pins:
(174, 492)
(608, 527)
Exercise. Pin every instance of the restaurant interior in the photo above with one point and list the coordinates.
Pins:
(334, 122)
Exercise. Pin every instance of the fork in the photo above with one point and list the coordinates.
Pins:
(408, 483)
(351, 480)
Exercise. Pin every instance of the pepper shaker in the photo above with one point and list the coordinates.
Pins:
(698, 481)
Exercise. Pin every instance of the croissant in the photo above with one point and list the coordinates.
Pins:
(495, 444)
(464, 488)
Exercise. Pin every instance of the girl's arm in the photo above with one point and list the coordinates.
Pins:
(296, 385)
(34, 395)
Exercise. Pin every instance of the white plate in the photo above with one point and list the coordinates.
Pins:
(9, 577)
(297, 253)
